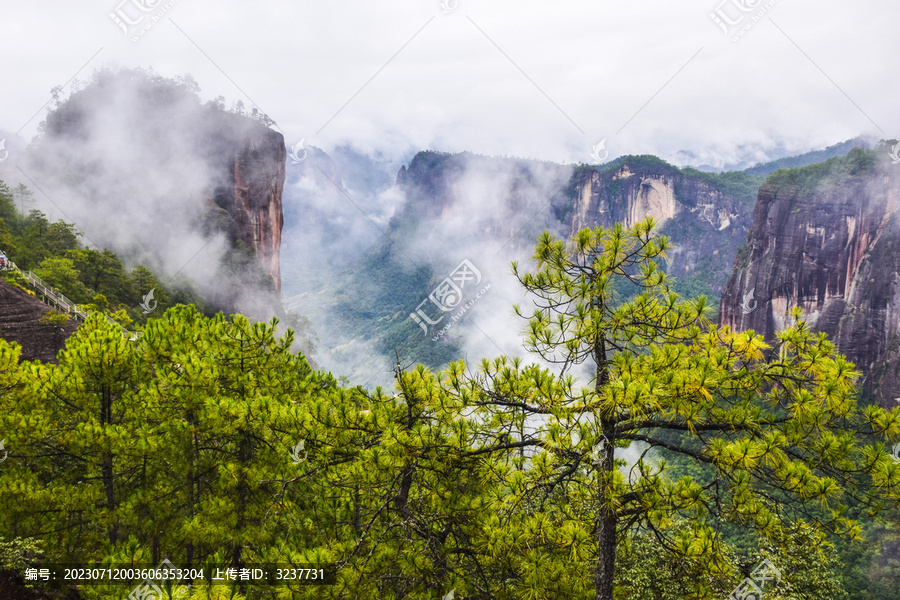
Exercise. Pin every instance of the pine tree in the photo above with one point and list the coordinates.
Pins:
(72, 424)
(225, 399)
(778, 424)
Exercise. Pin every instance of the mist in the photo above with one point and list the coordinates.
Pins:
(480, 214)
(134, 161)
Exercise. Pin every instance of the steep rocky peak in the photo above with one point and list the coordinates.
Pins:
(144, 148)
(639, 188)
(825, 238)
(253, 183)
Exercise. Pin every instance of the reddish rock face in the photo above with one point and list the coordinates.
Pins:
(135, 154)
(830, 247)
(257, 171)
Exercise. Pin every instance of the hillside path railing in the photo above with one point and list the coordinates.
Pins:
(53, 297)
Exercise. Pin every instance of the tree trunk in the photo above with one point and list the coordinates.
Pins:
(603, 576)
(193, 482)
(606, 517)
(110, 496)
(606, 535)
(243, 498)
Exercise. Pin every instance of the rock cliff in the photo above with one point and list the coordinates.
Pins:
(706, 216)
(827, 238)
(142, 167)
(250, 163)
(630, 196)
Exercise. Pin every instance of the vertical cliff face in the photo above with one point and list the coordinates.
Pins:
(640, 196)
(705, 220)
(629, 197)
(250, 190)
(189, 189)
(827, 238)
(259, 182)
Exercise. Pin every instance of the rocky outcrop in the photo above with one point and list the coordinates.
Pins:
(250, 187)
(629, 197)
(827, 238)
(705, 220)
(142, 167)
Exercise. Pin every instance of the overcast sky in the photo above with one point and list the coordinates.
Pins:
(523, 78)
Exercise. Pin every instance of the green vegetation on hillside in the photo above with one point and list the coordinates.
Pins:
(737, 184)
(644, 163)
(816, 156)
(93, 278)
(810, 179)
(363, 296)
(207, 441)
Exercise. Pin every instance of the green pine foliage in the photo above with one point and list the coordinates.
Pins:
(210, 442)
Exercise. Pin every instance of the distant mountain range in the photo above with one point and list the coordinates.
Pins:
(377, 303)
(409, 259)
(785, 160)
(810, 158)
